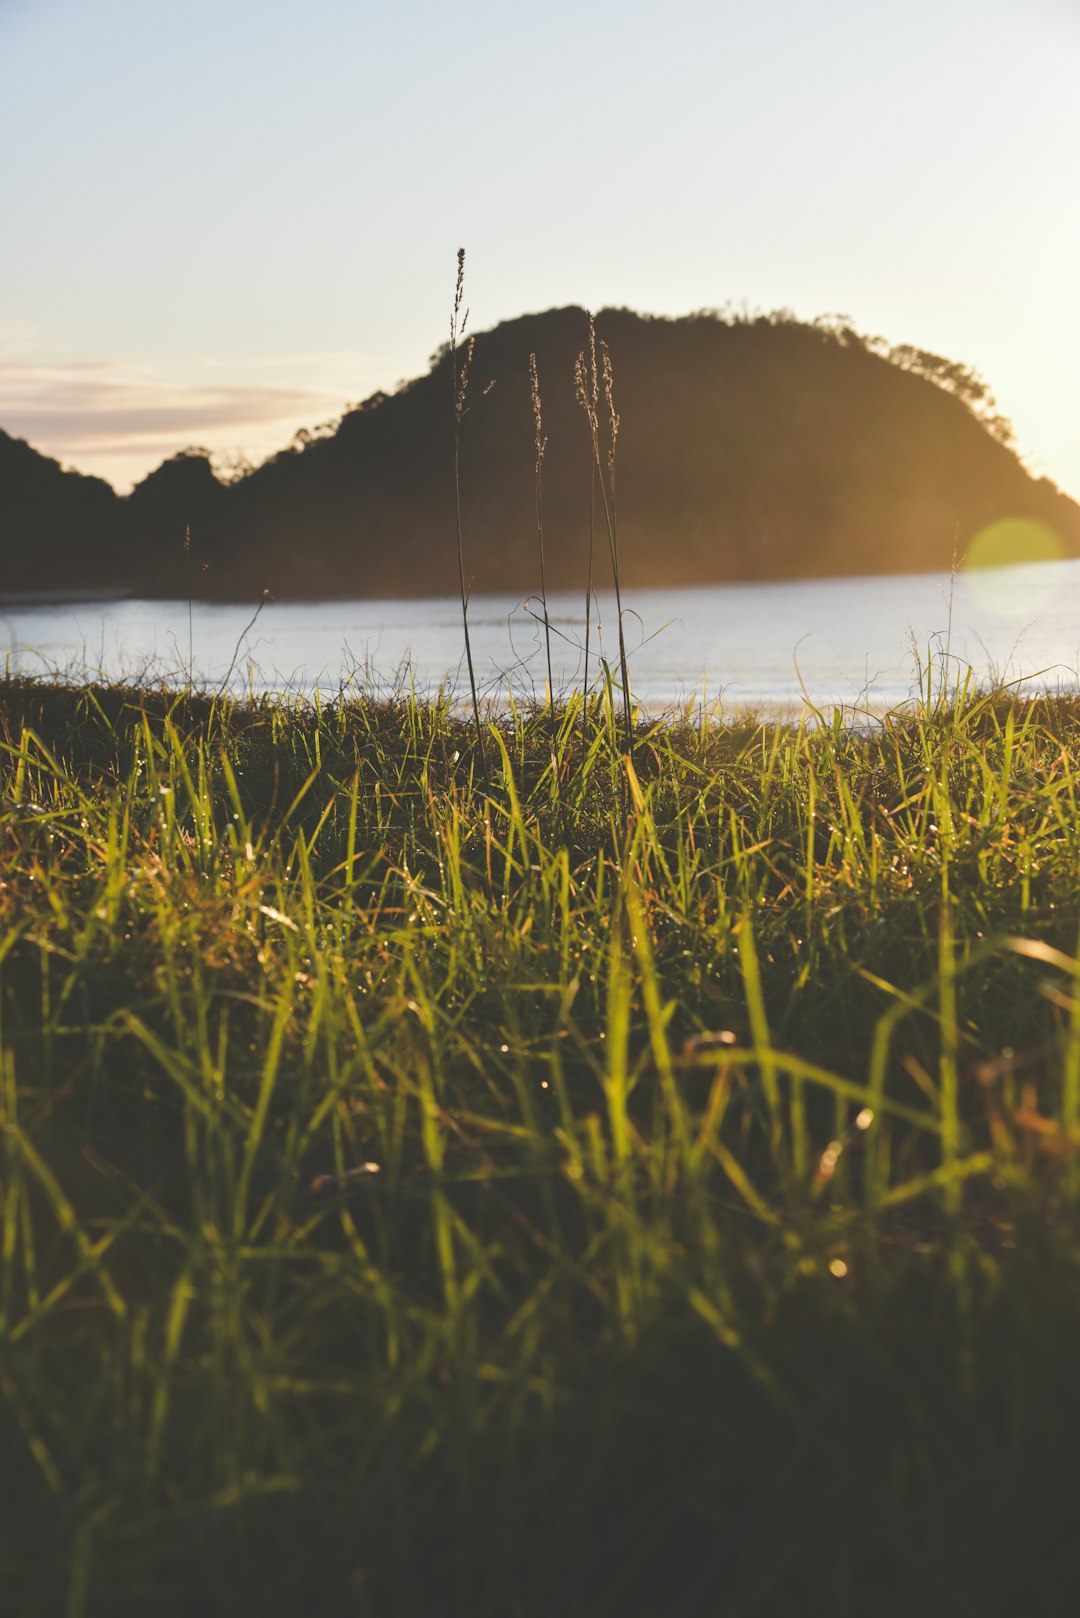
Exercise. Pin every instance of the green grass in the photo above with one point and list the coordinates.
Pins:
(615, 1190)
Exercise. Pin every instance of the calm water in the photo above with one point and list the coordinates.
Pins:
(856, 641)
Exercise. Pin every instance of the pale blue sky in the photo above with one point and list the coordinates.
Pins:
(224, 220)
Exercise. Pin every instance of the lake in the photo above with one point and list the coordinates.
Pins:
(852, 642)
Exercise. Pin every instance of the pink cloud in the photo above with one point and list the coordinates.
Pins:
(111, 420)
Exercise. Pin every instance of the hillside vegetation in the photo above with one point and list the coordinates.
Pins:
(750, 448)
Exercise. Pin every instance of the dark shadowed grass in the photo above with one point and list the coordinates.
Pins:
(577, 1188)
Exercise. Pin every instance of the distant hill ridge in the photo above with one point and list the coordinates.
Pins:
(750, 448)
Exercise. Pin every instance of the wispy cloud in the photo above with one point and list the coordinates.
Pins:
(119, 421)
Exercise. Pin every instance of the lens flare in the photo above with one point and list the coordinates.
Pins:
(1012, 542)
(1008, 543)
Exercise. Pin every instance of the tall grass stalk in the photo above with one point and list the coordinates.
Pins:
(540, 447)
(585, 688)
(587, 388)
(459, 386)
(190, 629)
(611, 513)
(240, 639)
(587, 377)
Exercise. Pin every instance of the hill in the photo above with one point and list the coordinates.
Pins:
(750, 448)
(58, 529)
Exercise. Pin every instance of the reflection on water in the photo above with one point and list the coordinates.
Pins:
(843, 641)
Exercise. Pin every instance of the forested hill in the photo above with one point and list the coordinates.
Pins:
(749, 448)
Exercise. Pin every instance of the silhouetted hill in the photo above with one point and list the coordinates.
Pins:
(58, 530)
(749, 448)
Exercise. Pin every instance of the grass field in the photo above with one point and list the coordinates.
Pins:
(580, 1188)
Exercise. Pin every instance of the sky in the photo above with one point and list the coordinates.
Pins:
(227, 220)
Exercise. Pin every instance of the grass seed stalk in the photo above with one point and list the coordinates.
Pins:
(540, 444)
(459, 386)
(587, 379)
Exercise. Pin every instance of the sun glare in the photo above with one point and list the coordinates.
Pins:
(1013, 541)
(1008, 543)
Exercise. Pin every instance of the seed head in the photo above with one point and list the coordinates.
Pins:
(463, 382)
(538, 418)
(609, 398)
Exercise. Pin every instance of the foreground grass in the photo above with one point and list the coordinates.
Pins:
(593, 1190)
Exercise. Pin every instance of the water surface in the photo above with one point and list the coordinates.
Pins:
(852, 642)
